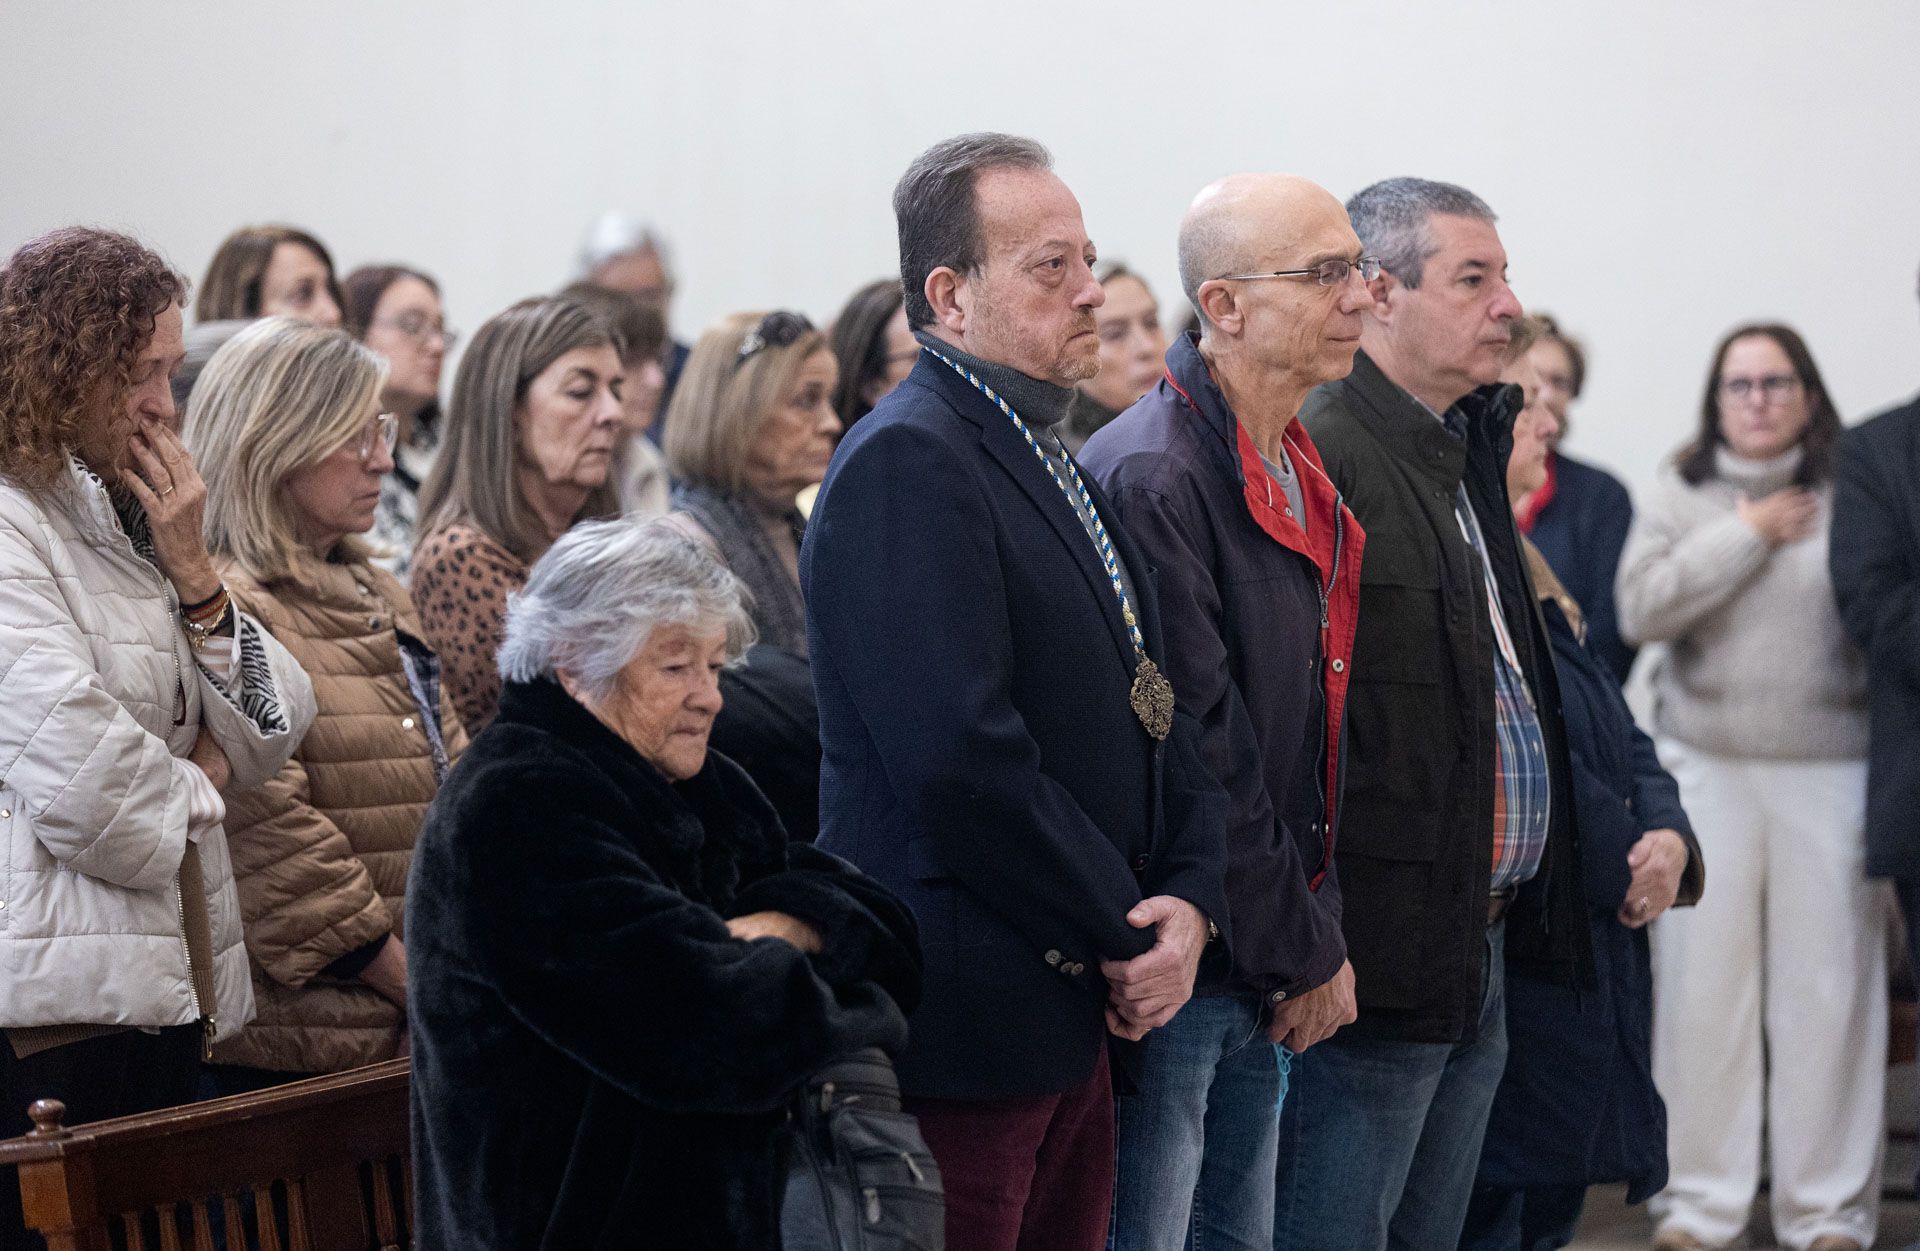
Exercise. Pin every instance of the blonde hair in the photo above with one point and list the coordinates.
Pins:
(472, 480)
(722, 400)
(279, 396)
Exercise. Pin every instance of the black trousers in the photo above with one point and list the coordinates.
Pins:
(99, 1078)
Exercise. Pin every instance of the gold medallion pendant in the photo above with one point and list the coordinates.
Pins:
(1152, 699)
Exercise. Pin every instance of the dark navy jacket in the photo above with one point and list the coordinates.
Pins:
(1252, 654)
(1875, 561)
(980, 755)
(1581, 529)
(1577, 1104)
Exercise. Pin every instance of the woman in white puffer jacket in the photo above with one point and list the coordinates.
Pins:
(131, 694)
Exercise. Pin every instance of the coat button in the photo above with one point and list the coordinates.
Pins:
(1339, 665)
(1276, 996)
(1140, 864)
(1053, 957)
(406, 723)
(1077, 969)
(6, 814)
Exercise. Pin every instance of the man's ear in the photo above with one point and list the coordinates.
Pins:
(1384, 290)
(1219, 306)
(947, 290)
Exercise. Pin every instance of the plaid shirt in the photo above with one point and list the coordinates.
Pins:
(1522, 788)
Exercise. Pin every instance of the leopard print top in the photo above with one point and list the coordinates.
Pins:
(461, 580)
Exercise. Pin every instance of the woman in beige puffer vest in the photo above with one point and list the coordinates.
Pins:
(286, 417)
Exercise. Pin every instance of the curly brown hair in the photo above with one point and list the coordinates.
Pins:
(77, 307)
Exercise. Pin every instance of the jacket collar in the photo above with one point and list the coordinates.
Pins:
(1400, 421)
(1005, 444)
(698, 820)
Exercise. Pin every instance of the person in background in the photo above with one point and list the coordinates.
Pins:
(1457, 857)
(751, 426)
(621, 969)
(270, 271)
(1874, 560)
(1577, 1105)
(533, 427)
(1578, 516)
(1258, 564)
(1773, 992)
(290, 430)
(628, 254)
(132, 694)
(1001, 746)
(640, 472)
(1133, 351)
(396, 311)
(875, 349)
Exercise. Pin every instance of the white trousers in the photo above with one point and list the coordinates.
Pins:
(1770, 1004)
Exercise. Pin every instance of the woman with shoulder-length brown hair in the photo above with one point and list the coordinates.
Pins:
(294, 439)
(533, 425)
(270, 271)
(1767, 990)
(132, 693)
(751, 425)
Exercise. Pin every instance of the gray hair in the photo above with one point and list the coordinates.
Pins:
(202, 342)
(1207, 240)
(600, 592)
(1391, 219)
(938, 217)
(614, 235)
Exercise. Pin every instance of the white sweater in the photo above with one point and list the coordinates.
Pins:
(100, 700)
(1758, 663)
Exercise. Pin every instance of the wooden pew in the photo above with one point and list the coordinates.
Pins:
(318, 1165)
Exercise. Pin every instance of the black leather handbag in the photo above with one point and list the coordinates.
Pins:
(859, 1175)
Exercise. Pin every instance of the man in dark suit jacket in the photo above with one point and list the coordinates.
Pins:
(998, 743)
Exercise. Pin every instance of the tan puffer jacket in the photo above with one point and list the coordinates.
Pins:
(321, 852)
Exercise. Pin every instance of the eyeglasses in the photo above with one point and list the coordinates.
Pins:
(1773, 388)
(1327, 273)
(383, 431)
(417, 327)
(779, 328)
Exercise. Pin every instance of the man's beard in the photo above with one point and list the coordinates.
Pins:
(1034, 357)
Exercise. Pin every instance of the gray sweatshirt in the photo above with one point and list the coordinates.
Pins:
(1757, 664)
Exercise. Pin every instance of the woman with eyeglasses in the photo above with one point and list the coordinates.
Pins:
(288, 425)
(750, 427)
(533, 426)
(875, 349)
(396, 311)
(1771, 995)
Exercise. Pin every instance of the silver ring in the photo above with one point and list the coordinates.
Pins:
(1643, 903)
(168, 491)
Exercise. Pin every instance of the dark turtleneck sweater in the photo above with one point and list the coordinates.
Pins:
(1042, 406)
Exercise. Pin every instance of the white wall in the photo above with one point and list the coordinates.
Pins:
(1662, 170)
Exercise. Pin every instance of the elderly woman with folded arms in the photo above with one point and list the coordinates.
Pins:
(132, 693)
(620, 968)
(290, 431)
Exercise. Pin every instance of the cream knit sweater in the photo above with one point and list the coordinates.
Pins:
(1757, 664)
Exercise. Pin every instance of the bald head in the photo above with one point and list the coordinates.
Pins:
(1247, 223)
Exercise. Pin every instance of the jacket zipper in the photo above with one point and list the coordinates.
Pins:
(1326, 624)
(193, 994)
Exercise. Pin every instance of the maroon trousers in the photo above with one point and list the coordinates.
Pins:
(1026, 1174)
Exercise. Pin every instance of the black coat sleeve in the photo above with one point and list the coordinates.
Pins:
(1875, 568)
(610, 965)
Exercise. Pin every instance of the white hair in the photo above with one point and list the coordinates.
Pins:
(600, 592)
(615, 235)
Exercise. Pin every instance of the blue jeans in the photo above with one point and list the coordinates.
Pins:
(1379, 1139)
(1196, 1144)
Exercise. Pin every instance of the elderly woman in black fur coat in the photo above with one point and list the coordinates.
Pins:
(619, 969)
